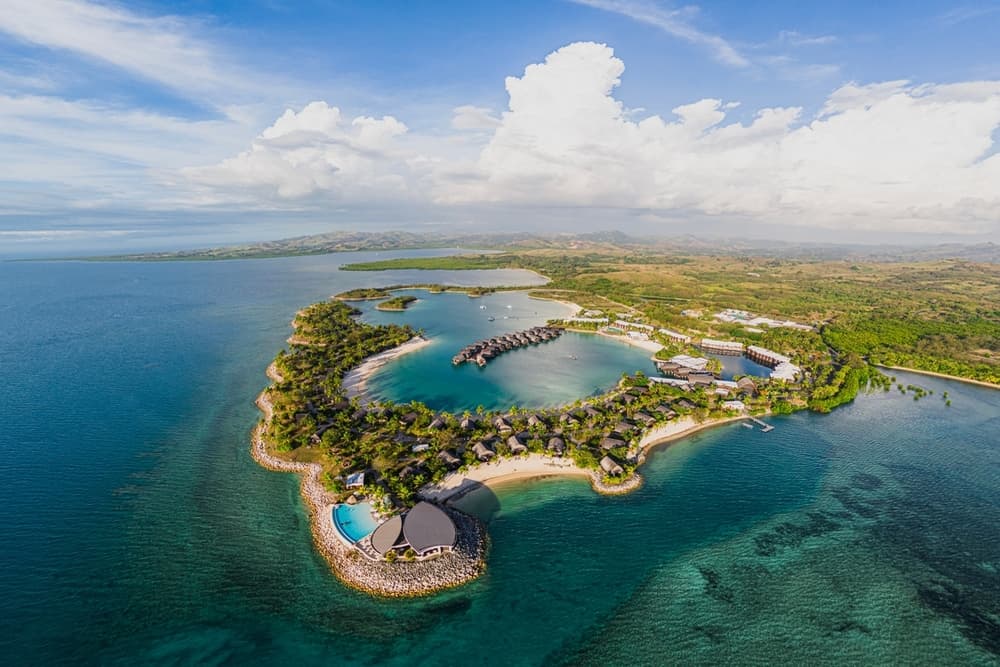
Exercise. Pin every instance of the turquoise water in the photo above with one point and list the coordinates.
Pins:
(560, 371)
(733, 365)
(354, 521)
(137, 530)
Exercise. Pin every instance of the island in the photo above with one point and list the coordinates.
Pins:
(379, 477)
(397, 303)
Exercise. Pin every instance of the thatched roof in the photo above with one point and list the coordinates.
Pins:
(482, 451)
(448, 458)
(516, 446)
(609, 466)
(556, 444)
(611, 442)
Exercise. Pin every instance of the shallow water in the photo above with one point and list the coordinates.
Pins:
(136, 528)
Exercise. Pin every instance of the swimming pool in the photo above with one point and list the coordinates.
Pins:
(353, 522)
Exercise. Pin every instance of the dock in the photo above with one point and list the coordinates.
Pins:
(764, 427)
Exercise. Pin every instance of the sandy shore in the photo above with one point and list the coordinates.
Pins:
(648, 345)
(399, 579)
(576, 308)
(979, 383)
(504, 470)
(531, 466)
(356, 380)
(680, 428)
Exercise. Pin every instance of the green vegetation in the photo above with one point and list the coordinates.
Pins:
(398, 303)
(940, 316)
(364, 294)
(401, 447)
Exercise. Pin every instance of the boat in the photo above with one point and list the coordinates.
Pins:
(491, 318)
(746, 425)
(509, 306)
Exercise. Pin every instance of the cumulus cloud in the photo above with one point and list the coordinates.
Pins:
(317, 150)
(468, 117)
(882, 156)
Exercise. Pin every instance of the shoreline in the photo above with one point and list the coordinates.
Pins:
(355, 383)
(943, 376)
(391, 580)
(533, 466)
(647, 345)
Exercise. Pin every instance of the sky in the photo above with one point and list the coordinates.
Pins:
(159, 124)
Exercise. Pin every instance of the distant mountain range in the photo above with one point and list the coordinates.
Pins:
(606, 241)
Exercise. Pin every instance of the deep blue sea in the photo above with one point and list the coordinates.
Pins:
(136, 529)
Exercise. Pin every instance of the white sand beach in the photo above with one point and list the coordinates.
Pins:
(648, 345)
(520, 467)
(356, 380)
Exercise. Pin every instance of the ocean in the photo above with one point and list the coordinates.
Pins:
(136, 529)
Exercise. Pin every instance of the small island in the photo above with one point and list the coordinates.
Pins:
(379, 477)
(397, 303)
(364, 294)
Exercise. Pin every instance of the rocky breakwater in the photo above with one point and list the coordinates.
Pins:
(482, 352)
(398, 579)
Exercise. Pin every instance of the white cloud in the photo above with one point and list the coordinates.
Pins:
(468, 117)
(317, 150)
(163, 49)
(888, 155)
(674, 22)
(796, 38)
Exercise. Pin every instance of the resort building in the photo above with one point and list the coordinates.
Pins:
(587, 320)
(693, 363)
(482, 451)
(738, 406)
(722, 346)
(609, 466)
(633, 326)
(734, 316)
(781, 366)
(675, 336)
(426, 529)
(355, 480)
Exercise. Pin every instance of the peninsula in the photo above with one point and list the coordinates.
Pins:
(378, 478)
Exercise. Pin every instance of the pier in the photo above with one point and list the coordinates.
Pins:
(764, 426)
(482, 352)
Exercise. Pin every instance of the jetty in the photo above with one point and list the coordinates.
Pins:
(764, 426)
(484, 351)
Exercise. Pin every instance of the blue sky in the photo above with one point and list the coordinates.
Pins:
(146, 123)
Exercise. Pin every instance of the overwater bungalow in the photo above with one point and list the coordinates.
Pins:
(610, 466)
